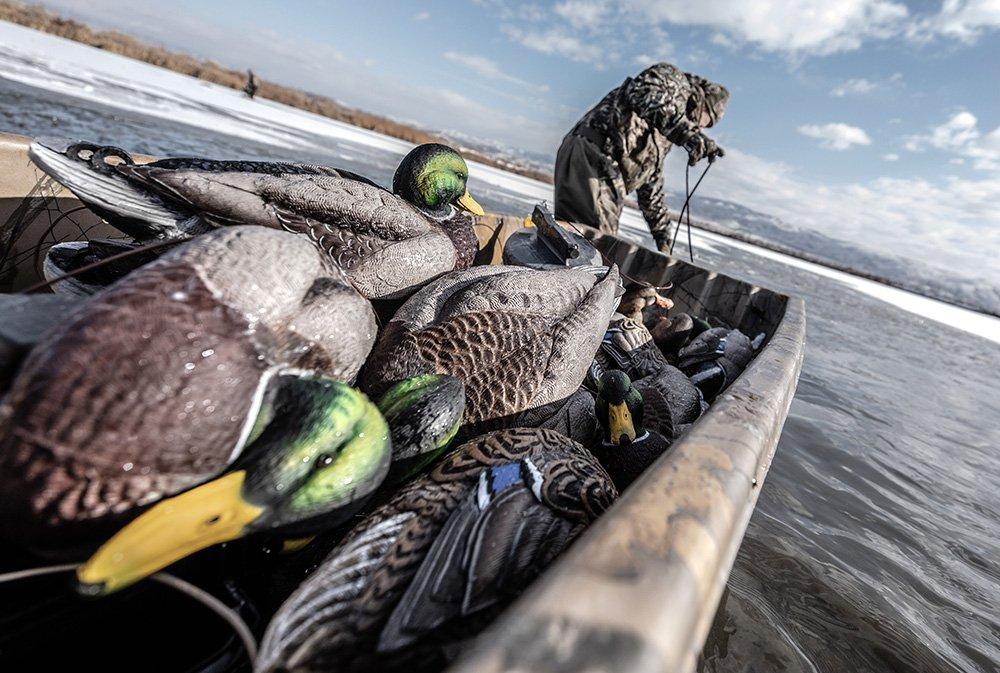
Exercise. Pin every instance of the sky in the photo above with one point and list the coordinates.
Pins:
(876, 121)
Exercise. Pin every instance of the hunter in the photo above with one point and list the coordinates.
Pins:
(620, 145)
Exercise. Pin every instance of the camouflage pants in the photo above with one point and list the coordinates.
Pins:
(589, 188)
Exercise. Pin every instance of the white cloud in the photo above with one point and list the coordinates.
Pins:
(421, 16)
(861, 86)
(488, 68)
(891, 156)
(582, 13)
(965, 20)
(816, 27)
(836, 136)
(960, 135)
(945, 221)
(556, 41)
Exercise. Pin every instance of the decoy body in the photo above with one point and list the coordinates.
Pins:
(518, 338)
(628, 446)
(716, 357)
(325, 449)
(157, 383)
(441, 557)
(388, 243)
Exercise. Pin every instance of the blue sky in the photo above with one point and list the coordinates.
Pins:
(877, 120)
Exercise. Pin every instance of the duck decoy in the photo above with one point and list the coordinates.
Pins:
(443, 556)
(628, 345)
(325, 450)
(518, 338)
(388, 243)
(110, 259)
(26, 319)
(716, 357)
(158, 383)
(627, 445)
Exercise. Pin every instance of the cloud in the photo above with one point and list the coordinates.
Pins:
(582, 13)
(965, 20)
(861, 86)
(891, 156)
(836, 136)
(807, 27)
(421, 16)
(556, 41)
(948, 220)
(488, 68)
(960, 135)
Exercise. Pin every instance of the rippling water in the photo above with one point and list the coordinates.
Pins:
(875, 545)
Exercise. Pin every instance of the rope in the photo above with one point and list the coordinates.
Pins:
(229, 615)
(686, 208)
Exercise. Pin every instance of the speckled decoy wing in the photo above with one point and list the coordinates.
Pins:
(518, 338)
(335, 618)
(519, 517)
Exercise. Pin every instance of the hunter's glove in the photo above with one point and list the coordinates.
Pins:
(700, 146)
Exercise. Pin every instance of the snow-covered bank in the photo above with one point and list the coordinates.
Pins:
(72, 69)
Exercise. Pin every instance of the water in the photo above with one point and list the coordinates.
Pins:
(874, 546)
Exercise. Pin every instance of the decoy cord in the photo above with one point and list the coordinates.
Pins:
(200, 595)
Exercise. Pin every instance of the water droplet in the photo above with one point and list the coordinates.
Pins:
(188, 366)
(208, 352)
(128, 467)
(179, 296)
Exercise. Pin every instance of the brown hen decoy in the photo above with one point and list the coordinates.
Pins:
(520, 339)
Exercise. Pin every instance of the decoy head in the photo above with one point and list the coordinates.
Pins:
(433, 177)
(319, 449)
(424, 414)
(619, 408)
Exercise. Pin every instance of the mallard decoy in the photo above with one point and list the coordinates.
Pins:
(518, 338)
(628, 446)
(442, 556)
(154, 385)
(716, 357)
(324, 451)
(388, 243)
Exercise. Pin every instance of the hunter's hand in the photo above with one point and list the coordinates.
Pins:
(700, 146)
(713, 151)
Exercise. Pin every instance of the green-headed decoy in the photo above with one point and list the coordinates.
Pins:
(443, 556)
(156, 384)
(518, 338)
(628, 446)
(323, 452)
(388, 243)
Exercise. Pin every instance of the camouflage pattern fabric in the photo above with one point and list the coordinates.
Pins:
(620, 145)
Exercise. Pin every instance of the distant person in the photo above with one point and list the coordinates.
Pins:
(251, 86)
(620, 145)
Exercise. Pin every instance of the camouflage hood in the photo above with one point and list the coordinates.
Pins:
(707, 96)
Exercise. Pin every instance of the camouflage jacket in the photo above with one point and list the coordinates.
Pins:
(636, 124)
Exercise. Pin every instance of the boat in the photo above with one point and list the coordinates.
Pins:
(638, 591)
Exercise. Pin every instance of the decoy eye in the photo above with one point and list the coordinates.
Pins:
(323, 460)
